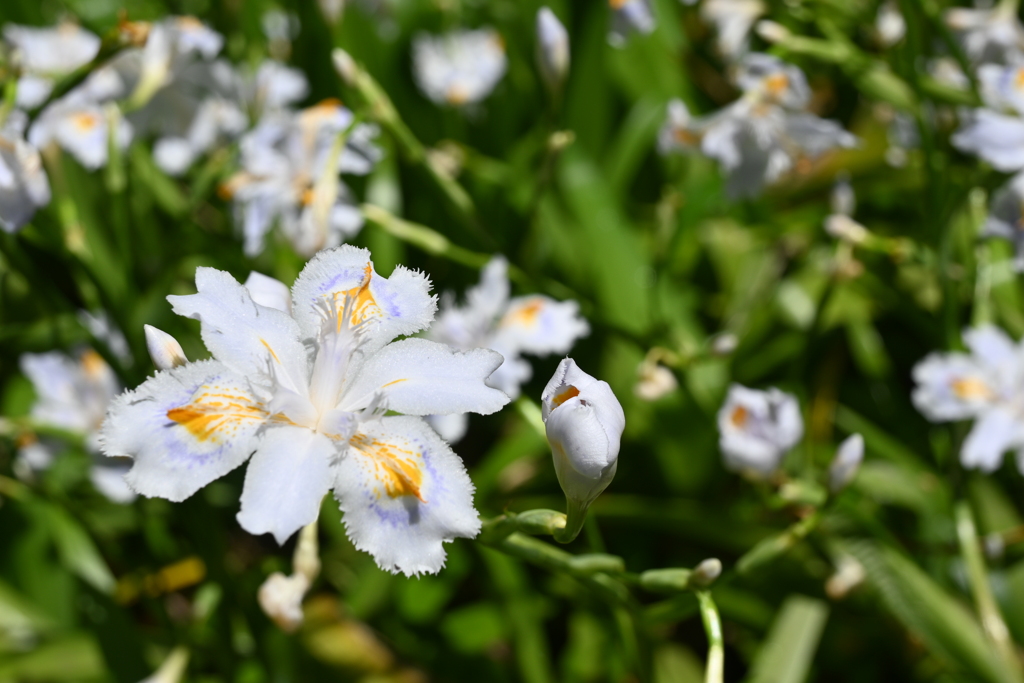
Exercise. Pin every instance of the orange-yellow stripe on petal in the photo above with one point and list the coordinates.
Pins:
(399, 470)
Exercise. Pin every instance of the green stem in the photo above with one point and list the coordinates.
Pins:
(575, 517)
(771, 548)
(713, 628)
(977, 575)
(381, 110)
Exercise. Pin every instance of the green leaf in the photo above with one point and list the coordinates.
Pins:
(945, 627)
(789, 648)
(76, 550)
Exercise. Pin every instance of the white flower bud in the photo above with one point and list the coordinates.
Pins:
(846, 463)
(173, 668)
(654, 382)
(344, 65)
(843, 200)
(164, 349)
(846, 229)
(584, 423)
(772, 32)
(280, 597)
(552, 49)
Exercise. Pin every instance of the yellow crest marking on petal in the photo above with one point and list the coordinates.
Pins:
(215, 415)
(685, 136)
(189, 23)
(394, 381)
(398, 469)
(85, 121)
(457, 95)
(525, 314)
(265, 344)
(363, 304)
(617, 4)
(1018, 80)
(776, 84)
(970, 387)
(739, 416)
(92, 363)
(565, 395)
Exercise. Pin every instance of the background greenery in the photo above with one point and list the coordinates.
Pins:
(657, 257)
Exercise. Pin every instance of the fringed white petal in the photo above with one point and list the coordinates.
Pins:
(184, 428)
(404, 494)
(400, 304)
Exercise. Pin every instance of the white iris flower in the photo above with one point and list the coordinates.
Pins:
(996, 132)
(988, 35)
(81, 125)
(290, 165)
(47, 54)
(732, 20)
(1006, 217)
(757, 429)
(983, 385)
(306, 394)
(24, 186)
(459, 68)
(629, 17)
(73, 395)
(763, 135)
(534, 324)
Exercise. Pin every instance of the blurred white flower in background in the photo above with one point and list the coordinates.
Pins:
(533, 324)
(458, 68)
(629, 17)
(983, 385)
(732, 20)
(1006, 217)
(24, 187)
(290, 164)
(845, 465)
(757, 428)
(46, 54)
(72, 395)
(552, 49)
(82, 127)
(305, 393)
(762, 136)
(995, 132)
(890, 26)
(990, 34)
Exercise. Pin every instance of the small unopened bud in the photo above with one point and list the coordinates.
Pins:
(654, 382)
(843, 200)
(772, 32)
(705, 573)
(994, 546)
(345, 66)
(280, 597)
(724, 344)
(173, 668)
(164, 349)
(848, 575)
(846, 463)
(584, 423)
(552, 49)
(846, 229)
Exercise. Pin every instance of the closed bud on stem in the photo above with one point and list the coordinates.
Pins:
(772, 32)
(345, 66)
(846, 463)
(846, 229)
(552, 50)
(584, 423)
(164, 349)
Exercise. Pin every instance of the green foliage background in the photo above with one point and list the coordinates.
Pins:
(657, 257)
